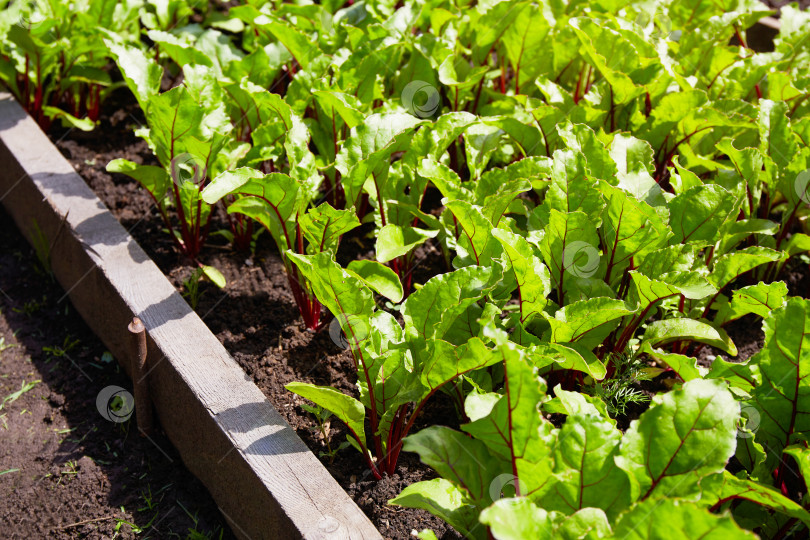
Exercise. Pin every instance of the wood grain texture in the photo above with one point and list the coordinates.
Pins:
(264, 478)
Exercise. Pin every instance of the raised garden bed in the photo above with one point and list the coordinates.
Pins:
(265, 479)
(681, 310)
(255, 316)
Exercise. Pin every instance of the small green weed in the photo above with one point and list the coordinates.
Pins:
(14, 396)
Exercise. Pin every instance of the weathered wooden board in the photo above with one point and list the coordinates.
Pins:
(264, 478)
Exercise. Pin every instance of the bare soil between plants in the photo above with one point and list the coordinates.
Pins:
(256, 319)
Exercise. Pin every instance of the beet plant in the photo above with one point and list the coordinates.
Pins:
(399, 367)
(268, 134)
(282, 206)
(599, 265)
(53, 60)
(192, 140)
(167, 15)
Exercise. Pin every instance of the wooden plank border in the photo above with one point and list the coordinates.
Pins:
(264, 478)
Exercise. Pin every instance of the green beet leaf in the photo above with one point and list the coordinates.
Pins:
(783, 397)
(525, 41)
(634, 161)
(447, 362)
(567, 356)
(367, 151)
(532, 276)
(298, 43)
(760, 299)
(585, 524)
(686, 367)
(229, 182)
(344, 294)
(570, 248)
(777, 139)
(731, 265)
(394, 241)
(571, 188)
(685, 436)
(68, 120)
(571, 403)
(738, 231)
(616, 58)
(379, 277)
(669, 330)
(801, 454)
(724, 487)
(182, 51)
(476, 241)
(496, 193)
(513, 429)
(466, 462)
(497, 186)
(431, 311)
(585, 474)
(273, 200)
(442, 498)
(588, 322)
(676, 520)
(646, 292)
(141, 74)
(153, 179)
(344, 407)
(697, 214)
(631, 228)
(323, 226)
(599, 161)
(743, 376)
(214, 275)
(518, 519)
(344, 105)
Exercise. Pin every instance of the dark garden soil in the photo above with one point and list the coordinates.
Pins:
(66, 471)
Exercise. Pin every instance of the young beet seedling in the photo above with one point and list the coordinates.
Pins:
(192, 284)
(322, 418)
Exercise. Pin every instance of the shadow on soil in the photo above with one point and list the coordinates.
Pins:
(116, 468)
